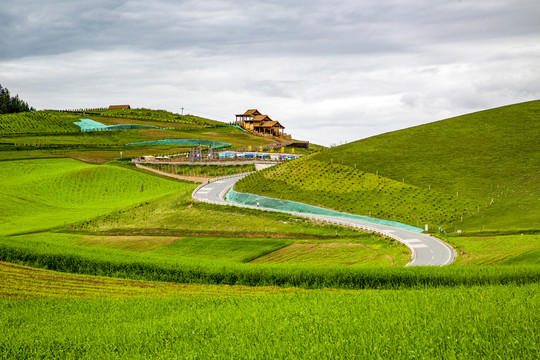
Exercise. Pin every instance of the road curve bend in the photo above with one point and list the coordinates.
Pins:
(426, 249)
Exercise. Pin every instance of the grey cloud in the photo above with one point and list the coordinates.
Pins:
(247, 27)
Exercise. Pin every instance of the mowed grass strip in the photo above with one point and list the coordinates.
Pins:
(213, 248)
(335, 254)
(494, 250)
(25, 282)
(128, 243)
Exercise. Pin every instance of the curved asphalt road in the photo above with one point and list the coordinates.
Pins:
(426, 249)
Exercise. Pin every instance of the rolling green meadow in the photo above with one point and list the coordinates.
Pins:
(100, 259)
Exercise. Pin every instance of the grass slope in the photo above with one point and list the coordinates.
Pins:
(40, 194)
(482, 166)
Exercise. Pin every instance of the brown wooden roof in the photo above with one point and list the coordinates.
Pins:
(119, 107)
(252, 112)
(261, 118)
(271, 124)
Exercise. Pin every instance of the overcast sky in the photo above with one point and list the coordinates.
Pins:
(330, 71)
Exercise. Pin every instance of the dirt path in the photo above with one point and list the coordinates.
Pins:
(181, 177)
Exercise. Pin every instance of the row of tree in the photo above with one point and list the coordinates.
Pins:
(12, 104)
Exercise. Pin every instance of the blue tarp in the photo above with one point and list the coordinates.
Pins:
(293, 206)
(88, 125)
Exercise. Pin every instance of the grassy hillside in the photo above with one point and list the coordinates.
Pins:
(483, 167)
(51, 133)
(40, 194)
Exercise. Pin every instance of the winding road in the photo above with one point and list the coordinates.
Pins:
(426, 249)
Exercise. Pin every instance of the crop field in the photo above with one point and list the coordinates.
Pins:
(344, 188)
(56, 251)
(41, 194)
(476, 322)
(44, 122)
(23, 282)
(493, 250)
(155, 116)
(332, 254)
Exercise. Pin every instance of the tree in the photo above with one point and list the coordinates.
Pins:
(9, 104)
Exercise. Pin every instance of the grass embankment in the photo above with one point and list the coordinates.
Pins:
(482, 166)
(42, 194)
(204, 170)
(477, 322)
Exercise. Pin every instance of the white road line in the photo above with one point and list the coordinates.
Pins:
(416, 246)
(219, 182)
(412, 240)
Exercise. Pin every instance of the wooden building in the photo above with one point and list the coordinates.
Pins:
(119, 107)
(254, 121)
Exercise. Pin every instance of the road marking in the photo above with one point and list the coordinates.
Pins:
(219, 182)
(419, 246)
(204, 191)
(412, 240)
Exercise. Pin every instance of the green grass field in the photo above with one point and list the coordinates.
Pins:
(463, 323)
(482, 167)
(109, 261)
(42, 194)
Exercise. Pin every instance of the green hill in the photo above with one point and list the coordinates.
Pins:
(40, 194)
(483, 167)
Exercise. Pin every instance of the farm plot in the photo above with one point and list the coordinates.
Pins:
(336, 254)
(30, 283)
(47, 122)
(458, 323)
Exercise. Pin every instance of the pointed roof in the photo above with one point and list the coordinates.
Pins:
(261, 118)
(251, 112)
(271, 124)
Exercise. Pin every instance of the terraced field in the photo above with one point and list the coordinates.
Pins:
(344, 188)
